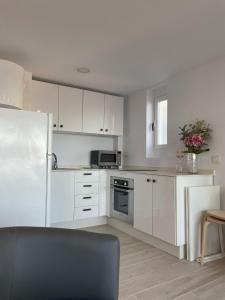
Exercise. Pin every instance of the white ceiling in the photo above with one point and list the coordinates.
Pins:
(127, 44)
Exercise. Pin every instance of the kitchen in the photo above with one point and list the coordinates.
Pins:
(101, 139)
(91, 185)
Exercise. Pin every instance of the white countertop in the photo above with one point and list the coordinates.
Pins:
(163, 171)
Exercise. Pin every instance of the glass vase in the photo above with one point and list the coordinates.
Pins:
(192, 163)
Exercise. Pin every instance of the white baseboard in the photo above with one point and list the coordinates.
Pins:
(81, 223)
(179, 252)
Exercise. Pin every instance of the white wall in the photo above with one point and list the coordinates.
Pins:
(74, 150)
(137, 144)
(199, 93)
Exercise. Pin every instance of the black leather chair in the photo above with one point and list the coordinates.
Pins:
(57, 264)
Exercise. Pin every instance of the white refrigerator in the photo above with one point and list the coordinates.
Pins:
(25, 168)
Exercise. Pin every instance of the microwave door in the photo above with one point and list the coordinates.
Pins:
(108, 158)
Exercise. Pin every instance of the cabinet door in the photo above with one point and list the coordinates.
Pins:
(143, 203)
(62, 196)
(113, 123)
(70, 109)
(93, 112)
(45, 99)
(164, 206)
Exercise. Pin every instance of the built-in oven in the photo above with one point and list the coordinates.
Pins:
(122, 199)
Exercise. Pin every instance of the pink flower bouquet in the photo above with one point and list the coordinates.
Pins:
(194, 137)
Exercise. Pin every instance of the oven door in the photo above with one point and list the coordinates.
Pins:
(122, 204)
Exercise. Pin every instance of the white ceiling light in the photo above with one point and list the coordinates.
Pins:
(83, 70)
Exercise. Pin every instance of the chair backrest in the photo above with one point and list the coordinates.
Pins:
(49, 263)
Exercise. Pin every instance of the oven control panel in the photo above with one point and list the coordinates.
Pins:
(121, 182)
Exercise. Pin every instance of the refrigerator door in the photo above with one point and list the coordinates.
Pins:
(23, 168)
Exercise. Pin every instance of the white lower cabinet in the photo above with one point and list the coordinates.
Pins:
(85, 212)
(164, 208)
(143, 203)
(62, 197)
(84, 188)
(86, 194)
(86, 200)
(159, 204)
(77, 195)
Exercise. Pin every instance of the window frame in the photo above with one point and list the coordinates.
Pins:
(158, 99)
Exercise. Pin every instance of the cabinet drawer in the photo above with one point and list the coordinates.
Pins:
(86, 200)
(86, 176)
(86, 188)
(86, 212)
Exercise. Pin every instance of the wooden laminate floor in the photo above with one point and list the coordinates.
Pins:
(147, 273)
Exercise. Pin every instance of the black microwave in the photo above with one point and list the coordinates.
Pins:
(105, 159)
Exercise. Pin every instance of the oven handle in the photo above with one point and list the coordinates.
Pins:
(121, 189)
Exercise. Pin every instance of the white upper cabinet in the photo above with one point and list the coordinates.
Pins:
(70, 109)
(102, 114)
(93, 112)
(77, 110)
(45, 99)
(113, 122)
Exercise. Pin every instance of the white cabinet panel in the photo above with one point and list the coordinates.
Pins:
(86, 188)
(143, 203)
(86, 212)
(86, 200)
(103, 200)
(45, 99)
(164, 208)
(93, 112)
(62, 196)
(182, 182)
(113, 122)
(70, 109)
(87, 176)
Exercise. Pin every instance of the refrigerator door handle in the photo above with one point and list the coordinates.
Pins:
(49, 171)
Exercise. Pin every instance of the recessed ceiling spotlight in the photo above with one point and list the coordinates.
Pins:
(83, 70)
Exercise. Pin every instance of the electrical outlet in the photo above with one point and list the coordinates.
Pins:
(215, 159)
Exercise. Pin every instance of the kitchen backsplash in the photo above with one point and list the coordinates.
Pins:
(72, 149)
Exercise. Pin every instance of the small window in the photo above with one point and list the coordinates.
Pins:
(161, 121)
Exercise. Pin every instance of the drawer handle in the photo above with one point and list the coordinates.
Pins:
(87, 185)
(85, 174)
(87, 209)
(87, 197)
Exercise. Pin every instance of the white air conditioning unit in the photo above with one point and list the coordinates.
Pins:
(11, 84)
